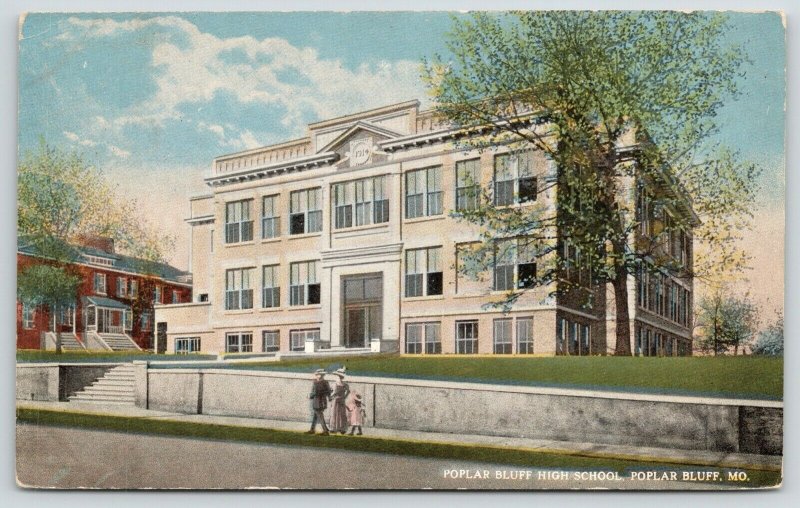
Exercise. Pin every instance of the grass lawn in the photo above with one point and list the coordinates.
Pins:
(39, 356)
(742, 376)
(488, 454)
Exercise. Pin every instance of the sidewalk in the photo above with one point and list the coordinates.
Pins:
(635, 453)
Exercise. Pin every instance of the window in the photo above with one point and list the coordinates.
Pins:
(305, 211)
(525, 336)
(28, 316)
(424, 272)
(364, 199)
(513, 179)
(127, 320)
(238, 289)
(271, 291)
(100, 283)
(503, 343)
(270, 341)
(304, 286)
(133, 288)
(425, 337)
(122, 287)
(144, 321)
(424, 192)
(238, 342)
(468, 184)
(176, 297)
(66, 314)
(270, 218)
(298, 338)
(238, 224)
(187, 345)
(157, 294)
(514, 265)
(466, 337)
(203, 297)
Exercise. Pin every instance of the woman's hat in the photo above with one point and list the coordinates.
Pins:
(357, 397)
(341, 372)
(320, 372)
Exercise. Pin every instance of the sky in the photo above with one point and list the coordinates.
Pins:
(152, 99)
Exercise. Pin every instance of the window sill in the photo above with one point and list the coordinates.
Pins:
(270, 309)
(271, 240)
(239, 244)
(517, 205)
(304, 235)
(424, 219)
(472, 295)
(313, 306)
(422, 298)
(342, 232)
(237, 311)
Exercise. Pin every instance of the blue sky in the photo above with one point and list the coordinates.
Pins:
(152, 99)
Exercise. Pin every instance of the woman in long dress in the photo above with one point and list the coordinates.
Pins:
(341, 390)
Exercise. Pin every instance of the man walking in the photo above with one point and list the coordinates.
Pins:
(320, 390)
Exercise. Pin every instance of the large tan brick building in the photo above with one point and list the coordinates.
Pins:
(345, 239)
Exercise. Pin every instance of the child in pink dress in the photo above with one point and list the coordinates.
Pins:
(356, 414)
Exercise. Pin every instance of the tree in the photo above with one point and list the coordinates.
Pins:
(48, 286)
(726, 322)
(623, 104)
(61, 199)
(770, 341)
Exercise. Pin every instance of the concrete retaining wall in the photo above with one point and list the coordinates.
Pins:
(692, 423)
(54, 382)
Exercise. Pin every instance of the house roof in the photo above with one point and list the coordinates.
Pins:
(121, 262)
(102, 301)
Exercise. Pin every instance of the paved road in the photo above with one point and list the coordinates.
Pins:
(70, 458)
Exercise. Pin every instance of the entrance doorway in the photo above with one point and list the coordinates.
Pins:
(362, 310)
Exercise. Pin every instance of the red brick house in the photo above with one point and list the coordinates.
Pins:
(113, 307)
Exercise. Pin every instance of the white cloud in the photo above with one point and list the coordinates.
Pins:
(77, 139)
(119, 152)
(271, 72)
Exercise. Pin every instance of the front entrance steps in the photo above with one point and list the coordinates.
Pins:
(119, 342)
(69, 342)
(117, 386)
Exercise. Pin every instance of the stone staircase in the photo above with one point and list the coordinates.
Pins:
(119, 342)
(69, 341)
(117, 386)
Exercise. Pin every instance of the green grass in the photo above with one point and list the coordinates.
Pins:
(476, 453)
(743, 376)
(40, 356)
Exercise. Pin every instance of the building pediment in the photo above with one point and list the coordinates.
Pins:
(357, 146)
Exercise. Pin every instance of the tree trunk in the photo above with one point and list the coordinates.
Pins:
(623, 346)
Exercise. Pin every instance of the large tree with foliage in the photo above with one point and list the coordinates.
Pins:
(62, 199)
(725, 321)
(617, 101)
(770, 340)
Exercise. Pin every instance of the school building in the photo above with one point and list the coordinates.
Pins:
(345, 240)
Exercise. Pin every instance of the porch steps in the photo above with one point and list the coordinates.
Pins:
(118, 342)
(117, 386)
(70, 342)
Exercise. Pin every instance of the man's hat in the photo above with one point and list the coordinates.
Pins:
(357, 397)
(320, 371)
(341, 372)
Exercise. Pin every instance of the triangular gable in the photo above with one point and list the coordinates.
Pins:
(339, 140)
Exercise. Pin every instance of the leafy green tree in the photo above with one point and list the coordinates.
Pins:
(50, 287)
(62, 198)
(623, 104)
(770, 341)
(726, 321)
